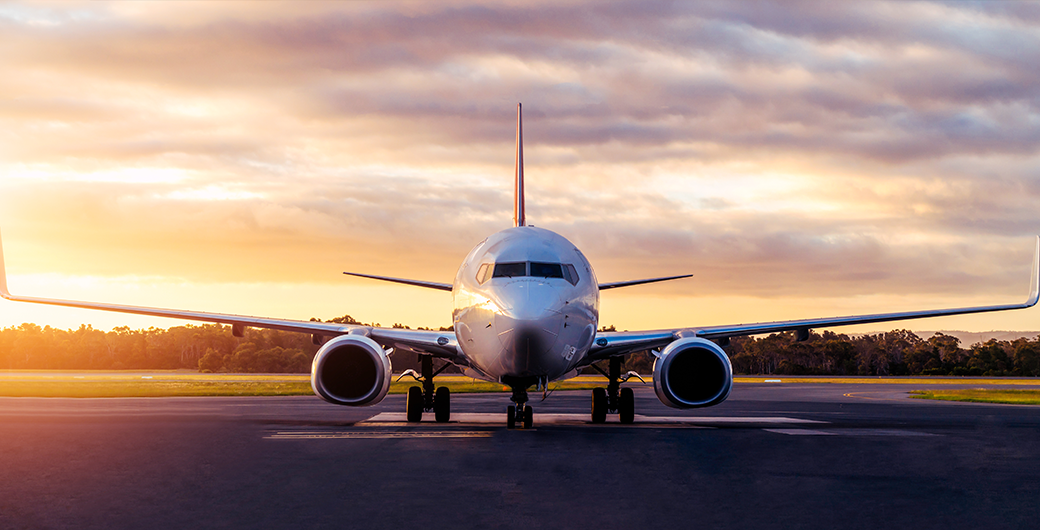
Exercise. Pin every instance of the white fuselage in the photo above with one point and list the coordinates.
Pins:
(526, 306)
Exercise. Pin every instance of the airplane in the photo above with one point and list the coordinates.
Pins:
(526, 311)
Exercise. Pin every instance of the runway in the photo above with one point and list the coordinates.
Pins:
(773, 455)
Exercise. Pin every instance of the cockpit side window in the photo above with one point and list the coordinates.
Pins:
(546, 270)
(482, 273)
(510, 270)
(570, 274)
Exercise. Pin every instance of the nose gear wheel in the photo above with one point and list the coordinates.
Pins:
(521, 413)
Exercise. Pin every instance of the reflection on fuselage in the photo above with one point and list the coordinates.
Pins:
(537, 319)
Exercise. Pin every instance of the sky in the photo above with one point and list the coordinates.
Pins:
(800, 159)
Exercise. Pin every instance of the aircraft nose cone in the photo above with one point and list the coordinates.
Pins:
(530, 325)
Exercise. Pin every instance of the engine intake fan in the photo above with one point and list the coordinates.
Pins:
(692, 372)
(351, 370)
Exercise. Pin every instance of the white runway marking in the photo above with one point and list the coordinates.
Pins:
(720, 420)
(398, 418)
(358, 435)
(800, 432)
(849, 432)
(884, 432)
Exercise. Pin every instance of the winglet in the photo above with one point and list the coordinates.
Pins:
(3, 272)
(519, 216)
(1034, 282)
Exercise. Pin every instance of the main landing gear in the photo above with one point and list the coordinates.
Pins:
(425, 399)
(520, 412)
(614, 399)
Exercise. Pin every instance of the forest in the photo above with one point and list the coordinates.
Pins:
(212, 348)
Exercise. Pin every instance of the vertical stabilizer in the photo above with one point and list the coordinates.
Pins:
(519, 217)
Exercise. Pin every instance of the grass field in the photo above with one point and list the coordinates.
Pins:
(38, 383)
(173, 384)
(982, 395)
(939, 380)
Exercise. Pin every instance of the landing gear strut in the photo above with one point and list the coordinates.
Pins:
(520, 412)
(614, 399)
(426, 399)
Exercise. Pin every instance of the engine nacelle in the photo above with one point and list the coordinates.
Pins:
(692, 372)
(351, 370)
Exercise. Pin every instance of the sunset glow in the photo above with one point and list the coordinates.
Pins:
(801, 160)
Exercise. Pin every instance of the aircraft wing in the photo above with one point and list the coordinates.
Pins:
(417, 283)
(608, 344)
(440, 344)
(614, 285)
(437, 343)
(722, 332)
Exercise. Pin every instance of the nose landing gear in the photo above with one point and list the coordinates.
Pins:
(519, 413)
(614, 399)
(426, 399)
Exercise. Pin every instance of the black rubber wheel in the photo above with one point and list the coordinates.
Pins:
(511, 417)
(414, 404)
(627, 405)
(599, 405)
(528, 417)
(442, 404)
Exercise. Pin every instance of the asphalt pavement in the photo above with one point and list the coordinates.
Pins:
(772, 456)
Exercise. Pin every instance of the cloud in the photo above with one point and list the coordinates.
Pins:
(774, 150)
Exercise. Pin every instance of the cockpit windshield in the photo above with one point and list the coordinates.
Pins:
(535, 269)
(546, 270)
(510, 270)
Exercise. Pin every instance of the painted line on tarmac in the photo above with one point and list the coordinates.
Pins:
(726, 420)
(849, 432)
(892, 395)
(399, 418)
(800, 432)
(377, 435)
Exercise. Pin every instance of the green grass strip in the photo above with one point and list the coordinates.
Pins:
(42, 383)
(897, 380)
(982, 395)
(152, 388)
(219, 385)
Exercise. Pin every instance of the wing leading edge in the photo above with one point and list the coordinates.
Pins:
(619, 343)
(417, 283)
(440, 344)
(614, 285)
(719, 332)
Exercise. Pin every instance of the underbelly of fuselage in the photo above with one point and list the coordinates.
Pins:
(544, 350)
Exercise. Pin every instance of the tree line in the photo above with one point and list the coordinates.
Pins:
(212, 348)
(898, 352)
(206, 347)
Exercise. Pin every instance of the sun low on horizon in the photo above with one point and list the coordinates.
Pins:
(800, 160)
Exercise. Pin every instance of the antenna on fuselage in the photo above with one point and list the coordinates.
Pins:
(519, 217)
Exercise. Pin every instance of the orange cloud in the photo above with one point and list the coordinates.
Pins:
(788, 154)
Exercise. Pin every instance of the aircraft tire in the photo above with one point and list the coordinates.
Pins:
(599, 405)
(414, 404)
(511, 417)
(627, 405)
(442, 405)
(528, 417)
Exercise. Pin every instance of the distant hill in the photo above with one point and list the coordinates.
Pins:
(968, 338)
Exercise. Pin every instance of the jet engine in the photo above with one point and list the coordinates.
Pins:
(692, 372)
(351, 370)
